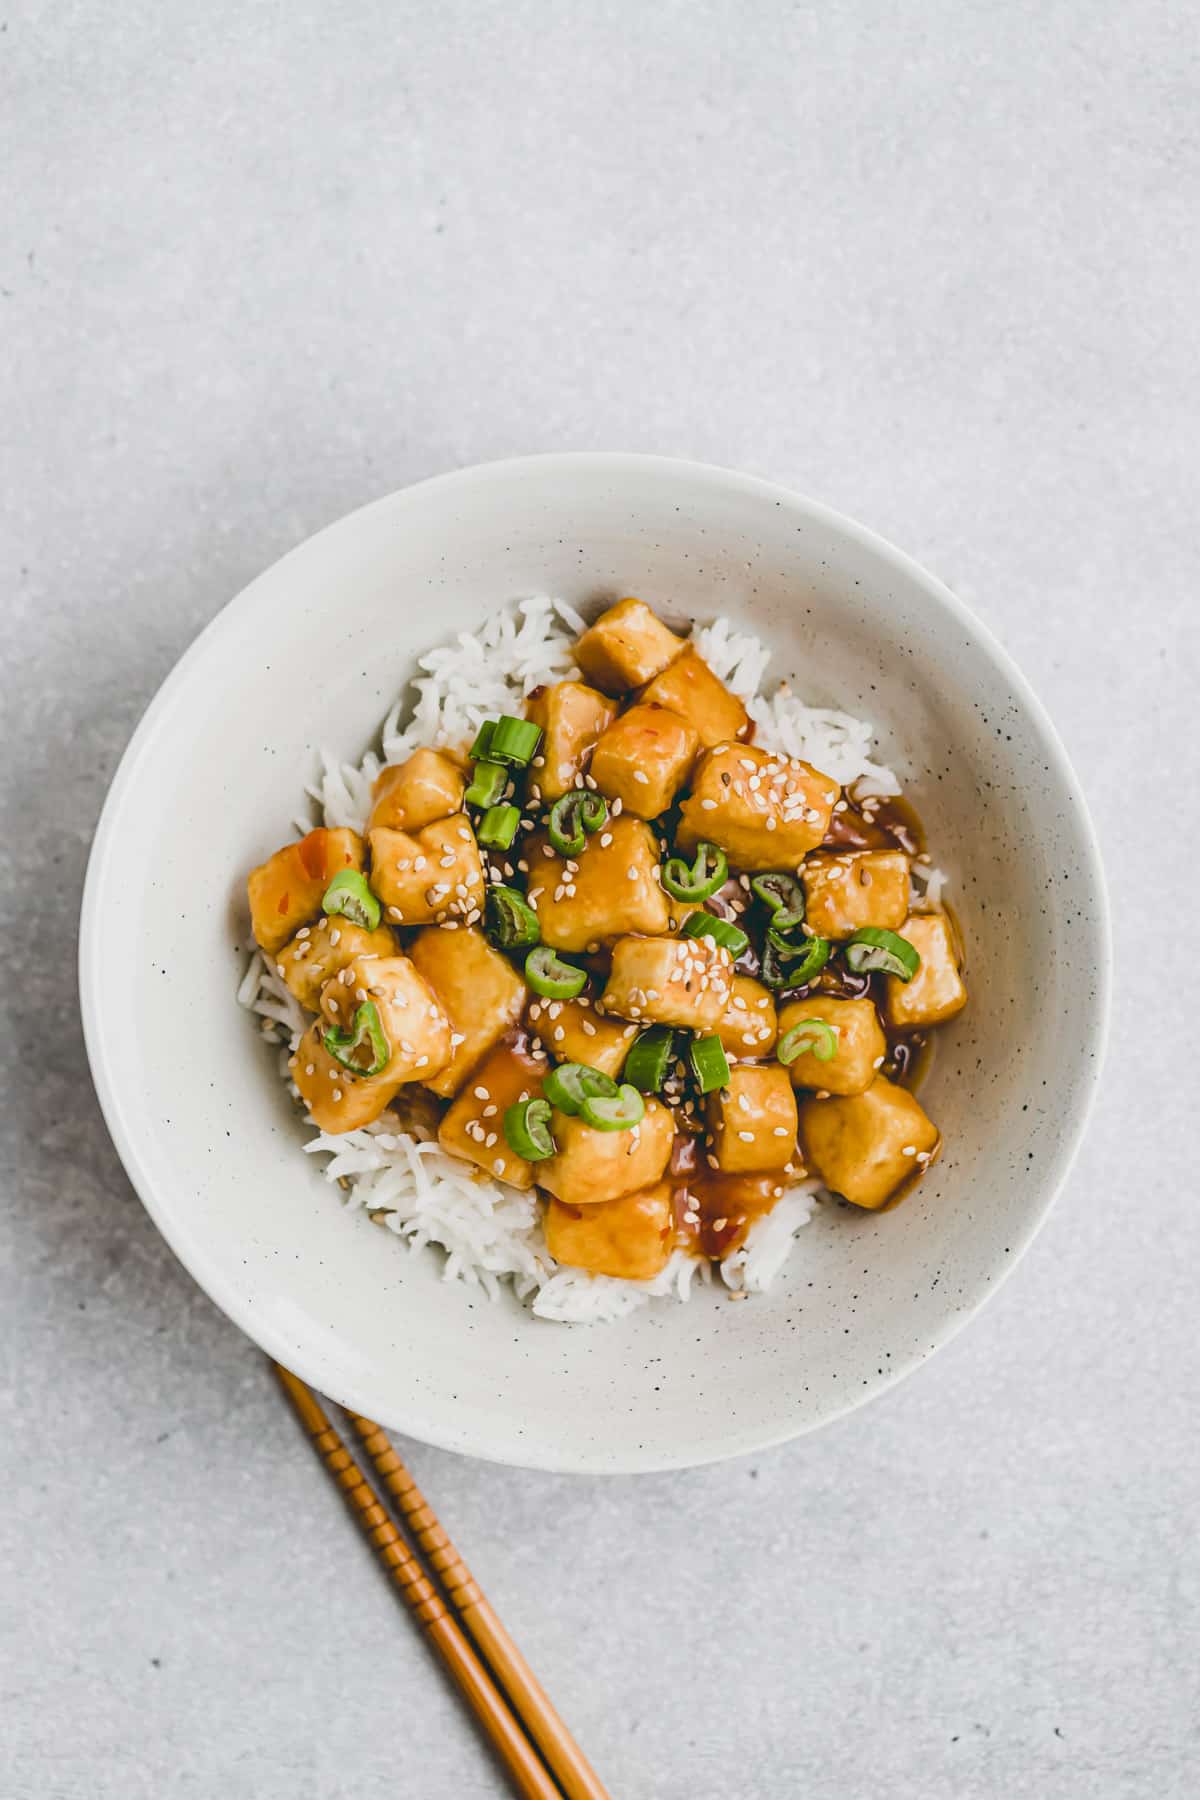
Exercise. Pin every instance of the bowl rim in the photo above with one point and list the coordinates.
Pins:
(199, 1265)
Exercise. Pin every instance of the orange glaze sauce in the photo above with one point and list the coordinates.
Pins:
(714, 1212)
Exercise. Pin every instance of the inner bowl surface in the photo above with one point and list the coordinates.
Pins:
(311, 654)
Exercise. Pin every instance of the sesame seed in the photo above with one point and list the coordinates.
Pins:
(641, 776)
(747, 1137)
(780, 1131)
(481, 1093)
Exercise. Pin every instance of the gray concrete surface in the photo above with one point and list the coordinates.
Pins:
(937, 265)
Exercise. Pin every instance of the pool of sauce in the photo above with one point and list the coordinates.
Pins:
(713, 1212)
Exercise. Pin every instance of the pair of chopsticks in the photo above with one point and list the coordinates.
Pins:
(506, 1697)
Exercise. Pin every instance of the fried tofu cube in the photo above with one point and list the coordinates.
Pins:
(430, 875)
(473, 1128)
(669, 981)
(861, 1045)
(644, 758)
(414, 1026)
(866, 1146)
(589, 1166)
(573, 1031)
(412, 793)
(631, 1238)
(286, 891)
(842, 893)
(747, 1027)
(626, 647)
(752, 1122)
(937, 990)
(572, 718)
(689, 687)
(478, 990)
(322, 950)
(337, 1101)
(765, 810)
(611, 889)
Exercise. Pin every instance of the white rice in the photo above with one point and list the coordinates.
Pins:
(489, 1233)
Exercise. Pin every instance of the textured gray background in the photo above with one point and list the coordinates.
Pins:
(936, 265)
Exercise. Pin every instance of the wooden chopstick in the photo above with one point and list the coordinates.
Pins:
(578, 1779)
(482, 1694)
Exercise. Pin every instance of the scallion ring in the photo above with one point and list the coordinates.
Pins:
(488, 784)
(788, 965)
(573, 818)
(498, 827)
(876, 951)
(721, 931)
(702, 879)
(511, 922)
(364, 1049)
(810, 1037)
(784, 896)
(570, 1084)
(549, 976)
(527, 1130)
(349, 897)
(481, 748)
(614, 1112)
(710, 1065)
(513, 740)
(649, 1059)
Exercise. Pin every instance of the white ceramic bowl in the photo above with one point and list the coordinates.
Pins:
(312, 654)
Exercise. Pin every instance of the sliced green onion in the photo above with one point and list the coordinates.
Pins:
(527, 1130)
(702, 924)
(483, 741)
(573, 817)
(349, 897)
(570, 1084)
(614, 1112)
(489, 782)
(784, 896)
(549, 976)
(513, 740)
(511, 922)
(710, 1065)
(365, 1038)
(811, 1037)
(648, 1061)
(873, 949)
(702, 878)
(498, 827)
(788, 965)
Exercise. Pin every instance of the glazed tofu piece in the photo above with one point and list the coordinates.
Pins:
(626, 647)
(412, 793)
(752, 1122)
(337, 1100)
(937, 990)
(428, 876)
(861, 1045)
(866, 1146)
(322, 950)
(573, 1031)
(765, 810)
(644, 758)
(416, 1037)
(591, 1166)
(747, 1027)
(610, 888)
(572, 718)
(669, 981)
(844, 892)
(473, 1128)
(631, 1238)
(478, 990)
(689, 687)
(286, 891)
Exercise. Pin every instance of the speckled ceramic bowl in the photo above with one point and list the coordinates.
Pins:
(311, 654)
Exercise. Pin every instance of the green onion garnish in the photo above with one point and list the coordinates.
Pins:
(498, 827)
(702, 924)
(614, 1112)
(784, 896)
(527, 1130)
(488, 784)
(570, 1084)
(710, 1065)
(648, 1061)
(349, 897)
(549, 976)
(873, 950)
(811, 1037)
(573, 817)
(366, 1039)
(513, 740)
(701, 879)
(788, 965)
(511, 922)
(483, 740)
